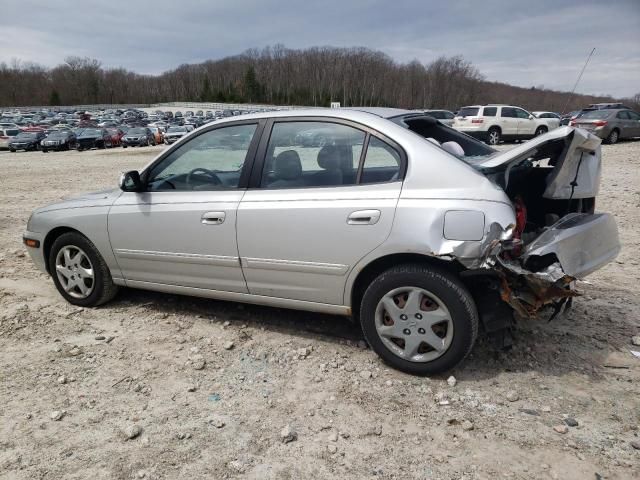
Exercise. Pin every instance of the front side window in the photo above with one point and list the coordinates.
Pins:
(521, 113)
(312, 154)
(211, 161)
(633, 115)
(508, 112)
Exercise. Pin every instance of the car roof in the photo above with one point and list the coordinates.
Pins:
(356, 114)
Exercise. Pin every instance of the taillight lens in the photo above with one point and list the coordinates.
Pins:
(600, 123)
(477, 120)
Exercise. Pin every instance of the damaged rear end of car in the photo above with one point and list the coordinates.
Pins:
(557, 237)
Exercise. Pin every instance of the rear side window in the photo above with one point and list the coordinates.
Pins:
(489, 111)
(381, 163)
(623, 115)
(633, 115)
(468, 112)
(312, 154)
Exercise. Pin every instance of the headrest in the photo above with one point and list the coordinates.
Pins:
(329, 157)
(287, 165)
(453, 148)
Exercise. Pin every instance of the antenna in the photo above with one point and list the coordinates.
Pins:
(579, 77)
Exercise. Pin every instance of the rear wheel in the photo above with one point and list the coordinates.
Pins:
(613, 137)
(493, 136)
(419, 319)
(79, 272)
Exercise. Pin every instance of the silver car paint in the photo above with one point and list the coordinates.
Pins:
(282, 269)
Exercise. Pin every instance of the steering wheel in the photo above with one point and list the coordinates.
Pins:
(209, 173)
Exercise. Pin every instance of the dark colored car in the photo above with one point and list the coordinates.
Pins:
(59, 140)
(138, 136)
(26, 141)
(93, 138)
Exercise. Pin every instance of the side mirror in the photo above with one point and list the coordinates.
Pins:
(130, 181)
(531, 117)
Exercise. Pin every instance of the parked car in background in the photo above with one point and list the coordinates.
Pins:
(59, 140)
(6, 134)
(567, 117)
(116, 136)
(551, 119)
(495, 123)
(610, 125)
(606, 106)
(89, 138)
(174, 133)
(138, 137)
(26, 141)
(422, 247)
(158, 134)
(445, 116)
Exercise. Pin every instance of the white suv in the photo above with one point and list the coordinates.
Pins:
(494, 123)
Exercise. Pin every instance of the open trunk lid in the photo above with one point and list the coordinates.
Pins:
(552, 181)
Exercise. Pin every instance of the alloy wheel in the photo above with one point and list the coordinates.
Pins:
(75, 272)
(414, 324)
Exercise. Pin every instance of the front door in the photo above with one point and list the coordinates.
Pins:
(325, 197)
(526, 123)
(182, 229)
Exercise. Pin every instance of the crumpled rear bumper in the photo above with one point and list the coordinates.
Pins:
(545, 272)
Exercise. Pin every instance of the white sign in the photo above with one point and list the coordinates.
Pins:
(335, 104)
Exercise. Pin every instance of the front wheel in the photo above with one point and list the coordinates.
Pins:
(419, 319)
(540, 131)
(79, 272)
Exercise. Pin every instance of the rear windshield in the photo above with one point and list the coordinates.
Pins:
(596, 114)
(91, 131)
(468, 111)
(26, 135)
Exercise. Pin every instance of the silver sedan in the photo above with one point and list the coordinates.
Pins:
(422, 233)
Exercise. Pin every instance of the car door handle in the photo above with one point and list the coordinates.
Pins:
(364, 217)
(212, 218)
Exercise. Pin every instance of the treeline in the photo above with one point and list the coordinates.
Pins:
(278, 75)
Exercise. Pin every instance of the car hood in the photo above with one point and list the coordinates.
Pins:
(577, 168)
(91, 199)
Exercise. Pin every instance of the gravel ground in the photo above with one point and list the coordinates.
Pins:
(160, 386)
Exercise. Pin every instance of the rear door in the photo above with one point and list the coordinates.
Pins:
(509, 121)
(322, 197)
(634, 126)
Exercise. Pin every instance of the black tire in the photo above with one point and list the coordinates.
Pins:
(124, 146)
(12, 150)
(103, 287)
(44, 150)
(450, 290)
(494, 135)
(613, 137)
(541, 131)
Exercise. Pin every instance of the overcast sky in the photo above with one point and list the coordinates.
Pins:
(526, 43)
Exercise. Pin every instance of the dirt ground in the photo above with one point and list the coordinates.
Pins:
(76, 383)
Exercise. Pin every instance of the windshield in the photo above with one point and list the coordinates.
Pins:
(91, 131)
(176, 130)
(57, 134)
(468, 111)
(137, 131)
(596, 114)
(26, 135)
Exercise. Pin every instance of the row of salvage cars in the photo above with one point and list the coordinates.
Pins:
(422, 233)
